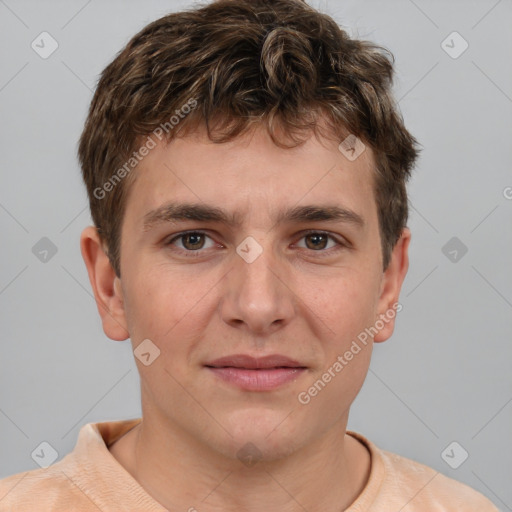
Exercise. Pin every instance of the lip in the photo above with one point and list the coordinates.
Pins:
(256, 373)
(252, 363)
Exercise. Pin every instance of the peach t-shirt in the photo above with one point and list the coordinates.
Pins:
(90, 478)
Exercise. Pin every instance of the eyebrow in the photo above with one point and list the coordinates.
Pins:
(175, 212)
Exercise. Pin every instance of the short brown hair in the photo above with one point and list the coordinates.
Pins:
(277, 62)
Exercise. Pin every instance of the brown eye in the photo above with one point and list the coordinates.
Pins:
(316, 241)
(322, 243)
(191, 241)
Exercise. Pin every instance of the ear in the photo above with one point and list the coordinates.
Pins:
(392, 279)
(105, 284)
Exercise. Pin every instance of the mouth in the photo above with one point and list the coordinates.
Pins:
(256, 374)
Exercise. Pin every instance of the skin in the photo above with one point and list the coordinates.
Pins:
(289, 301)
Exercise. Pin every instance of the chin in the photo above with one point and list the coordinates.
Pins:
(262, 434)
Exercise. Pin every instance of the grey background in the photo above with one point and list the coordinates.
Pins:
(444, 376)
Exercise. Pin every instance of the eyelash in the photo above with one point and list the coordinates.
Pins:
(321, 252)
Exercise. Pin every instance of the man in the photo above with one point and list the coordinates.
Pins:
(246, 171)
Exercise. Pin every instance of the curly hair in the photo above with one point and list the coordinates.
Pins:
(232, 63)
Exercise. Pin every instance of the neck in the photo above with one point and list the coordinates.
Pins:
(182, 474)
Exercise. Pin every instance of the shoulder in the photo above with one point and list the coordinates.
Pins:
(399, 483)
(428, 489)
(41, 489)
(87, 478)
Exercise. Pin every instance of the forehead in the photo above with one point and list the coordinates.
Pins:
(251, 175)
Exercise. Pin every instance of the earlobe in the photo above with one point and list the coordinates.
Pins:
(392, 281)
(105, 284)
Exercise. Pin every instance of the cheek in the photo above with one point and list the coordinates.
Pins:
(345, 303)
(169, 307)
(348, 307)
(331, 392)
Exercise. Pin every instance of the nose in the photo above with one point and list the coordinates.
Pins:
(257, 294)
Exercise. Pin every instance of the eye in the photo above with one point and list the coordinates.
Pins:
(191, 241)
(318, 241)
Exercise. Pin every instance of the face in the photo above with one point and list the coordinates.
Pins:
(282, 259)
